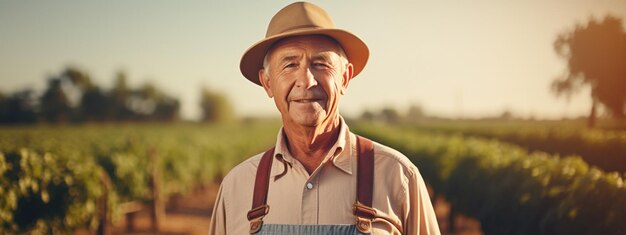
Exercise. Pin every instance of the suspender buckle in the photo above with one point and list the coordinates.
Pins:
(255, 216)
(255, 225)
(364, 215)
(364, 225)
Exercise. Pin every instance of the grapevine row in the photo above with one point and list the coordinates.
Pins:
(509, 190)
(605, 149)
(53, 179)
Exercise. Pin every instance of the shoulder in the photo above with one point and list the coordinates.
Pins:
(396, 172)
(238, 185)
(393, 158)
(236, 194)
(243, 170)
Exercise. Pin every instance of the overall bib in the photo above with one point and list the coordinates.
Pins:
(363, 210)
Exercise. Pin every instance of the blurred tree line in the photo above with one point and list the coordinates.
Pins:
(71, 96)
(416, 113)
(389, 114)
(595, 54)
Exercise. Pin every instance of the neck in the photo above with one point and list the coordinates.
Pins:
(309, 145)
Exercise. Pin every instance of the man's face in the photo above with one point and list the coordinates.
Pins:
(306, 78)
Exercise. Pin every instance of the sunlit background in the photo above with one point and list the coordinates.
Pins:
(454, 59)
(123, 117)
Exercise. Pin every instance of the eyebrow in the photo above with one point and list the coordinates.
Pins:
(324, 56)
(287, 58)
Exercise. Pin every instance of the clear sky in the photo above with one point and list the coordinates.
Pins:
(455, 58)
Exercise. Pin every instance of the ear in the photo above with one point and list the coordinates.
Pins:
(347, 76)
(265, 81)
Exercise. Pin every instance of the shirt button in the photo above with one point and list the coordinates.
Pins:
(309, 185)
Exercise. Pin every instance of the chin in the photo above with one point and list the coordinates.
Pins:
(308, 120)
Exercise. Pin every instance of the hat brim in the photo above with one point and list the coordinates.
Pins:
(356, 50)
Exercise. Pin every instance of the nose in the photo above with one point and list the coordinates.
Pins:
(305, 78)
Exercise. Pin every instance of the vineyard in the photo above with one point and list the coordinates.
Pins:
(508, 189)
(605, 149)
(56, 179)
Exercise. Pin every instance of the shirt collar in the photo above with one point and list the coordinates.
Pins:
(340, 158)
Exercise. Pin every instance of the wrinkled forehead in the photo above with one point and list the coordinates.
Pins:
(316, 44)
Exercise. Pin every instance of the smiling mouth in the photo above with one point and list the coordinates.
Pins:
(306, 100)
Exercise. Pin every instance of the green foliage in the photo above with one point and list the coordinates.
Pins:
(46, 193)
(605, 149)
(53, 177)
(509, 190)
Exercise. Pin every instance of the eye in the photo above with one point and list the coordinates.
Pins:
(290, 65)
(321, 65)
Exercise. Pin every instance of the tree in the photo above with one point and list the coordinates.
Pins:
(215, 106)
(94, 105)
(506, 115)
(596, 57)
(149, 103)
(166, 109)
(367, 115)
(390, 115)
(93, 102)
(4, 108)
(72, 96)
(119, 98)
(415, 112)
(19, 107)
(77, 77)
(54, 103)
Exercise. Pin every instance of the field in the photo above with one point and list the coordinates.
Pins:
(54, 179)
(507, 188)
(604, 148)
(59, 179)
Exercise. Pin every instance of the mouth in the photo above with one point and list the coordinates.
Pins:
(311, 100)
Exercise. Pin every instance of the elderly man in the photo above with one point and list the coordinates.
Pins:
(319, 178)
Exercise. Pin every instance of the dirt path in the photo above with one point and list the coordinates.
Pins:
(192, 214)
(187, 215)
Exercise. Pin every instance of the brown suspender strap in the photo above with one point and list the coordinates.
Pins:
(261, 186)
(363, 209)
(364, 185)
(365, 171)
(365, 181)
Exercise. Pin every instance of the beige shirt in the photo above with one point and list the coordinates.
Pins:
(329, 193)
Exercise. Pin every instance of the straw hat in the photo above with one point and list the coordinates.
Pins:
(296, 19)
